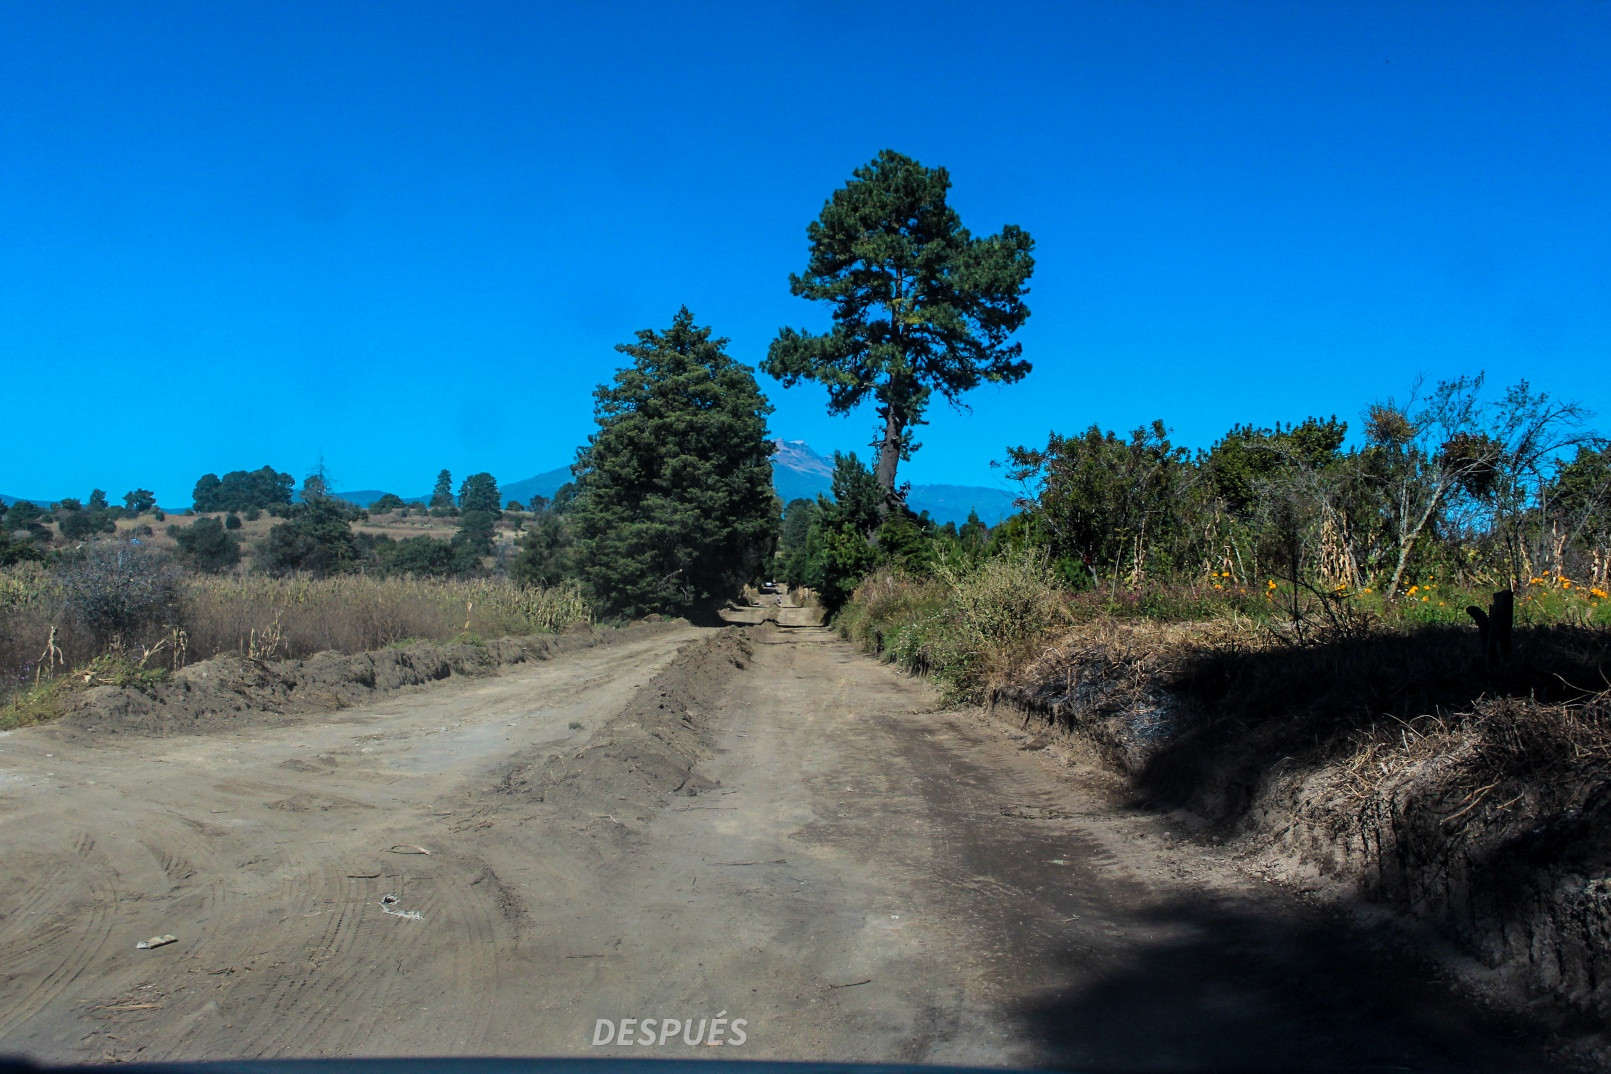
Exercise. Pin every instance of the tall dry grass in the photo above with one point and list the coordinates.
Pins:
(271, 618)
(299, 616)
(968, 628)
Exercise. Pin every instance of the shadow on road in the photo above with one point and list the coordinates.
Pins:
(1221, 987)
(1122, 958)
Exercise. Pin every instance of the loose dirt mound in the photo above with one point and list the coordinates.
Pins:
(646, 753)
(222, 693)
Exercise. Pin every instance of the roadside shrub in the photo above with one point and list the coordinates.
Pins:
(232, 521)
(114, 589)
(890, 603)
(995, 617)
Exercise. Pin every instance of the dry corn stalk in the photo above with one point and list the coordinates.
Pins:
(50, 659)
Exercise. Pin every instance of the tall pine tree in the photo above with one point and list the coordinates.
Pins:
(919, 305)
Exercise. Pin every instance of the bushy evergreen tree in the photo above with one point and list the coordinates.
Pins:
(442, 495)
(317, 538)
(544, 555)
(674, 505)
(839, 546)
(388, 501)
(475, 533)
(480, 493)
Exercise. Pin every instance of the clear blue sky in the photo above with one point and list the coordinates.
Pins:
(408, 235)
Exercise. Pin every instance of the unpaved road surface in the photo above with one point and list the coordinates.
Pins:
(754, 823)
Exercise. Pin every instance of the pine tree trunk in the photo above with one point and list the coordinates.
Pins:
(889, 456)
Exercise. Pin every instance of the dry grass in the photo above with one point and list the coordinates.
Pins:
(299, 616)
(971, 629)
(276, 617)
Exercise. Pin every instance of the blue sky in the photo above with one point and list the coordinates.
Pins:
(408, 235)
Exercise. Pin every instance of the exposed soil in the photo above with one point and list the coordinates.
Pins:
(749, 823)
(1486, 819)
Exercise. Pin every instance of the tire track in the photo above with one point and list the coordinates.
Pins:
(48, 958)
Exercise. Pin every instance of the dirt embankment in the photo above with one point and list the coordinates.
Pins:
(647, 752)
(211, 695)
(1396, 767)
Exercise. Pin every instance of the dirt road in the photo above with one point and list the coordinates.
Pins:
(753, 824)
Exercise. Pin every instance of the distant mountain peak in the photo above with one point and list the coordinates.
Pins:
(801, 473)
(797, 455)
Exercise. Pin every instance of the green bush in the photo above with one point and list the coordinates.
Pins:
(205, 545)
(317, 538)
(78, 525)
